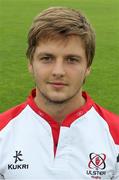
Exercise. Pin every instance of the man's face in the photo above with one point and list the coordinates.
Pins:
(59, 68)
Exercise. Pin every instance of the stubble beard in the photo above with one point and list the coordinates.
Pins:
(50, 101)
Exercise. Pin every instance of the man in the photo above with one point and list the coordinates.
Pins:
(59, 132)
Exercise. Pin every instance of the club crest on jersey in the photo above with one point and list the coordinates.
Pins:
(96, 165)
(18, 162)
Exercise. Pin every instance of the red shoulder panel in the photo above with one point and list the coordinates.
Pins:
(112, 121)
(8, 115)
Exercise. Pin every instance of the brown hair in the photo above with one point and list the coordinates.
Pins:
(60, 22)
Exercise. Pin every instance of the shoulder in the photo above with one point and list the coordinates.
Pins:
(111, 119)
(10, 114)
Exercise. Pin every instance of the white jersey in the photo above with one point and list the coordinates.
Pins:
(34, 147)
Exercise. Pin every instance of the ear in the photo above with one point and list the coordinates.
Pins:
(30, 67)
(88, 71)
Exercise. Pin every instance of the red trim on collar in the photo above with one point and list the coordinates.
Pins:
(70, 118)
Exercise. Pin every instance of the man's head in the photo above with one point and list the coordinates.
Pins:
(60, 23)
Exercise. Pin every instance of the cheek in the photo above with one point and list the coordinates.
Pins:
(40, 74)
(79, 76)
(80, 73)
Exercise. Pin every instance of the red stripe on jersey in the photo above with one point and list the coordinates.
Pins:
(7, 116)
(112, 121)
(70, 118)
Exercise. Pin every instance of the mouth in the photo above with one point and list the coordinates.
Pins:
(58, 84)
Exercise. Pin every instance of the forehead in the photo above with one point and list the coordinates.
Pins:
(61, 39)
(68, 43)
(61, 47)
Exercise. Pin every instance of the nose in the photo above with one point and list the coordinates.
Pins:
(58, 68)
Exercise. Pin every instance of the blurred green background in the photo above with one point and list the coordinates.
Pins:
(15, 19)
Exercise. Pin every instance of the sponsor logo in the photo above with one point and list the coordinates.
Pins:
(18, 158)
(18, 166)
(96, 166)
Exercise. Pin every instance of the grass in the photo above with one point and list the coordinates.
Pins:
(16, 17)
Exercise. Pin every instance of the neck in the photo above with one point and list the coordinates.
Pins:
(58, 111)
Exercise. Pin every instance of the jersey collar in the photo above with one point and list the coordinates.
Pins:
(70, 118)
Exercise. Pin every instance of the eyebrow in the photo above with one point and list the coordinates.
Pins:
(44, 54)
(73, 55)
(52, 55)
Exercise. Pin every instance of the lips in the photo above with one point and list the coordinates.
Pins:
(58, 84)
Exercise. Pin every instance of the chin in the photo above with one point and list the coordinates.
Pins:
(58, 100)
(55, 98)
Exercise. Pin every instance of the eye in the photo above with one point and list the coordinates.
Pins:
(73, 60)
(46, 59)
